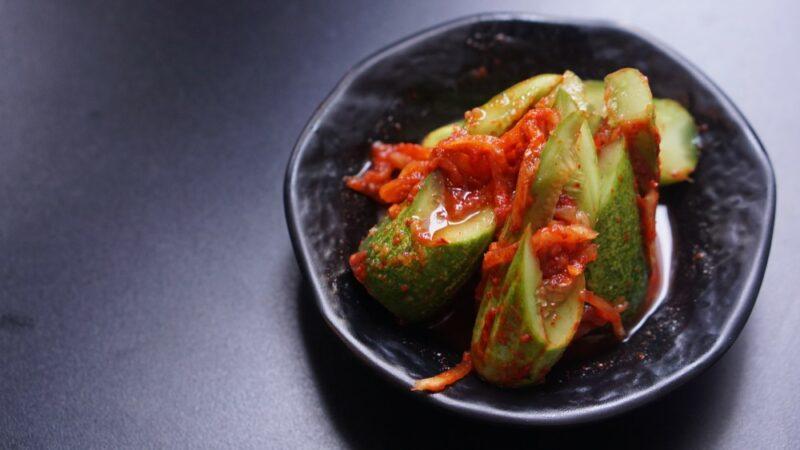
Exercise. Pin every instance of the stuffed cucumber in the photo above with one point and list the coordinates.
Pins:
(526, 321)
(547, 191)
(414, 263)
(520, 333)
(620, 270)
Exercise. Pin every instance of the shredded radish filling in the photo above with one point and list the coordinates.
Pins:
(601, 312)
(438, 383)
(563, 252)
(479, 170)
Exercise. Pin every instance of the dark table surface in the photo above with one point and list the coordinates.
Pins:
(149, 296)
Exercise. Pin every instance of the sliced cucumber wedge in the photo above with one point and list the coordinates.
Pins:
(629, 105)
(584, 185)
(620, 269)
(564, 104)
(627, 97)
(678, 133)
(560, 325)
(559, 161)
(574, 89)
(509, 335)
(677, 129)
(518, 335)
(594, 91)
(572, 86)
(413, 280)
(438, 135)
(505, 108)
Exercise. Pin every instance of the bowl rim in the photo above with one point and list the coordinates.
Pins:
(742, 306)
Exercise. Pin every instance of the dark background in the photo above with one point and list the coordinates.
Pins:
(149, 296)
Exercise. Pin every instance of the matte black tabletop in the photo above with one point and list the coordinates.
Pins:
(149, 296)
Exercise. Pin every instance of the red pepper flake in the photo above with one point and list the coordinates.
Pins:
(359, 266)
(479, 73)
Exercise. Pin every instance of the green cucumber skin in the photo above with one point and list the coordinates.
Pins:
(507, 358)
(413, 281)
(505, 108)
(629, 102)
(679, 154)
(511, 355)
(678, 132)
(438, 135)
(620, 269)
(502, 111)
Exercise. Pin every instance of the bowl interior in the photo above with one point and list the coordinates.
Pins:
(721, 222)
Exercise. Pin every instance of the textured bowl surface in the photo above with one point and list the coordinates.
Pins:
(722, 222)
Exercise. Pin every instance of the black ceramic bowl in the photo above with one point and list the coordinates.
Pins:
(722, 222)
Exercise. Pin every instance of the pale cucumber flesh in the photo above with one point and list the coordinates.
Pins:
(678, 133)
(584, 185)
(594, 91)
(561, 329)
(415, 281)
(627, 97)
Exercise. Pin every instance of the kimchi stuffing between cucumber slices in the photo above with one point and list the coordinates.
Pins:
(549, 191)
